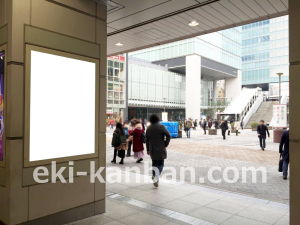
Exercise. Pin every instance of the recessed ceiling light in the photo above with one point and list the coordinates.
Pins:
(193, 23)
(119, 44)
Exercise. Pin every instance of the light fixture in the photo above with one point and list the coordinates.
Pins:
(193, 23)
(1, 57)
(119, 44)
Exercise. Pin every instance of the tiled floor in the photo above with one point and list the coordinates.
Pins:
(203, 203)
(142, 203)
(203, 152)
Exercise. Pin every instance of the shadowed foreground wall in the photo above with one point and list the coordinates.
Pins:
(71, 26)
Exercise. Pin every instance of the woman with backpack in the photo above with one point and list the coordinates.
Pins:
(138, 147)
(119, 143)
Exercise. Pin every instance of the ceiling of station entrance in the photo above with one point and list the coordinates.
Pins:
(139, 24)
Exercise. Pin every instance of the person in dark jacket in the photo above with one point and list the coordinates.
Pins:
(216, 124)
(184, 127)
(204, 126)
(119, 143)
(195, 124)
(200, 123)
(224, 127)
(156, 146)
(284, 142)
(262, 131)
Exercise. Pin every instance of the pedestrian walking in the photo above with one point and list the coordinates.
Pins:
(119, 143)
(157, 140)
(126, 127)
(242, 124)
(142, 123)
(204, 126)
(237, 127)
(184, 127)
(138, 146)
(224, 127)
(262, 131)
(188, 126)
(111, 124)
(209, 124)
(285, 152)
(200, 123)
(216, 124)
(229, 126)
(195, 124)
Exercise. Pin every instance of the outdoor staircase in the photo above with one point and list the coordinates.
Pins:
(264, 112)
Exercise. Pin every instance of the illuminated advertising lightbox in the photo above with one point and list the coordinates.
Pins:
(62, 107)
(2, 64)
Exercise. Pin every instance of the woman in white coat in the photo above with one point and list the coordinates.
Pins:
(237, 126)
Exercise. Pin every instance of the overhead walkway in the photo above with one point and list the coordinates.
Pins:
(244, 105)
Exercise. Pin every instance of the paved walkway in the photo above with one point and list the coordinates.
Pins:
(204, 152)
(202, 202)
(179, 203)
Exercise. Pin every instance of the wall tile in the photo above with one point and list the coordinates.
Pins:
(82, 5)
(59, 19)
(47, 199)
(18, 194)
(15, 98)
(21, 16)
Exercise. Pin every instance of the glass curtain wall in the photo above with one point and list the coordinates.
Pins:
(154, 87)
(265, 51)
(223, 46)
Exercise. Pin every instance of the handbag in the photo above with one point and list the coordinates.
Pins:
(280, 167)
(143, 137)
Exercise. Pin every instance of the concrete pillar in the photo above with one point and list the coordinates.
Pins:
(294, 53)
(193, 86)
(215, 90)
(125, 111)
(233, 86)
(63, 28)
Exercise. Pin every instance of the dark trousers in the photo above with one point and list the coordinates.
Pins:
(262, 141)
(159, 164)
(224, 134)
(129, 148)
(204, 128)
(285, 167)
(120, 153)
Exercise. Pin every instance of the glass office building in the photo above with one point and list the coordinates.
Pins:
(260, 50)
(222, 46)
(153, 88)
(265, 52)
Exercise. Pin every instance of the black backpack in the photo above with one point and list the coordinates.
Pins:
(143, 137)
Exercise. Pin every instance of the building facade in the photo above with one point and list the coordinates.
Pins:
(116, 88)
(157, 77)
(265, 52)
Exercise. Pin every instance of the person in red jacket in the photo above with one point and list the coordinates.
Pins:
(138, 146)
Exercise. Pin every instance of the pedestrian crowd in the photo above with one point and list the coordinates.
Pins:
(136, 133)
